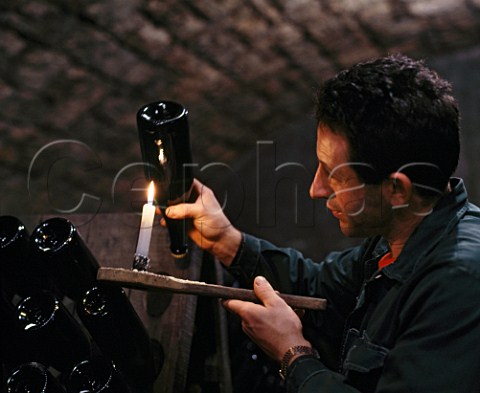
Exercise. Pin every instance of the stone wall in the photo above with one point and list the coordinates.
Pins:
(74, 73)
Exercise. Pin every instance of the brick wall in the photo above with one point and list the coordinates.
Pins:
(74, 73)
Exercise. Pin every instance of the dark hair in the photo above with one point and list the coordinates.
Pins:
(397, 115)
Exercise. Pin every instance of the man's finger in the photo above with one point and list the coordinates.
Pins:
(182, 210)
(238, 307)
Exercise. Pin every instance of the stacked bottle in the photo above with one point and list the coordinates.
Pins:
(32, 377)
(111, 319)
(61, 323)
(19, 276)
(57, 246)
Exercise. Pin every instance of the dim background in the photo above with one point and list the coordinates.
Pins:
(74, 73)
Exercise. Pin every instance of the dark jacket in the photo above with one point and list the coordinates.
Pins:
(414, 326)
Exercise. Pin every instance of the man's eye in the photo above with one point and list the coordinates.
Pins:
(335, 178)
(332, 178)
(334, 175)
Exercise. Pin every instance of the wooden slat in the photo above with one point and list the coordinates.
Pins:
(148, 280)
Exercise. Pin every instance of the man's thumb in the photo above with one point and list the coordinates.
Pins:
(263, 290)
(176, 211)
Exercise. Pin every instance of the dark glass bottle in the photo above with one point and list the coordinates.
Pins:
(13, 348)
(66, 257)
(17, 274)
(13, 238)
(51, 333)
(96, 375)
(32, 378)
(119, 333)
(165, 145)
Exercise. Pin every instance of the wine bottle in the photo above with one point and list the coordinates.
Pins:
(96, 375)
(52, 334)
(13, 348)
(66, 257)
(118, 331)
(165, 145)
(13, 238)
(17, 274)
(32, 378)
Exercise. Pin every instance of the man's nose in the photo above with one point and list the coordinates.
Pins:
(320, 187)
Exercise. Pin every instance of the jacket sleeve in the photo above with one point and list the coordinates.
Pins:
(336, 279)
(338, 276)
(309, 375)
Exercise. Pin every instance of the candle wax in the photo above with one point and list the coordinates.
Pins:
(146, 226)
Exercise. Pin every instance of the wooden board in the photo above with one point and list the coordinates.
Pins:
(153, 281)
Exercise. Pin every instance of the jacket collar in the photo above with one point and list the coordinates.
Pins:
(446, 214)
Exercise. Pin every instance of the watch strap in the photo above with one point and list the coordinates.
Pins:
(290, 353)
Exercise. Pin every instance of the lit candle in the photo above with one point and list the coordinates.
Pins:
(146, 226)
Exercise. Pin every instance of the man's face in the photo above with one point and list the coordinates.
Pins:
(360, 209)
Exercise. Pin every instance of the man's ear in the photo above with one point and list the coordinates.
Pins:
(400, 190)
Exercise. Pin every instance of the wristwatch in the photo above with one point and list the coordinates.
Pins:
(291, 352)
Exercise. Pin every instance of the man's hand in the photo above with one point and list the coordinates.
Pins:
(273, 325)
(211, 229)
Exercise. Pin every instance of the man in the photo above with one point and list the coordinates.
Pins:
(403, 311)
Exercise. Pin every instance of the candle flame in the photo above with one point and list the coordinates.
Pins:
(162, 157)
(151, 192)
